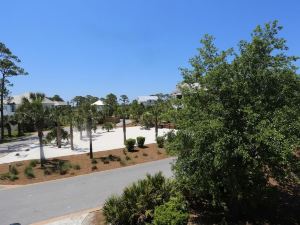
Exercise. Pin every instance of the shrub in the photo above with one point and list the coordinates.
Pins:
(145, 154)
(76, 167)
(13, 170)
(94, 161)
(33, 163)
(108, 126)
(129, 143)
(47, 172)
(160, 141)
(127, 157)
(172, 212)
(28, 171)
(13, 177)
(137, 203)
(105, 161)
(94, 167)
(4, 176)
(64, 167)
(140, 141)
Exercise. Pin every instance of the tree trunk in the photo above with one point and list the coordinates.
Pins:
(156, 127)
(20, 130)
(1, 108)
(90, 137)
(8, 127)
(42, 155)
(80, 132)
(71, 136)
(58, 138)
(124, 129)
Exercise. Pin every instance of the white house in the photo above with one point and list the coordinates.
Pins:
(14, 102)
(99, 105)
(147, 100)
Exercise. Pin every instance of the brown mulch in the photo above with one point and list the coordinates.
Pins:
(106, 160)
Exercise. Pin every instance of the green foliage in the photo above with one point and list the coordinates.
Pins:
(241, 125)
(129, 143)
(111, 103)
(140, 141)
(13, 170)
(76, 167)
(147, 120)
(33, 163)
(136, 110)
(173, 212)
(137, 203)
(52, 135)
(9, 176)
(94, 161)
(160, 140)
(108, 126)
(28, 171)
(64, 167)
(47, 171)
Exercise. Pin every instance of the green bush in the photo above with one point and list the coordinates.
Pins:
(47, 172)
(94, 161)
(140, 141)
(76, 167)
(137, 203)
(160, 141)
(13, 170)
(28, 171)
(108, 126)
(33, 163)
(129, 143)
(173, 212)
(13, 177)
(64, 167)
(4, 176)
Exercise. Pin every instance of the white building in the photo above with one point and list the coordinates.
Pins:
(14, 102)
(147, 100)
(99, 105)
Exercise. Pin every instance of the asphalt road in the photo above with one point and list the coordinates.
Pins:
(38, 202)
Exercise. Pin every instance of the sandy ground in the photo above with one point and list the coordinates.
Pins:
(102, 141)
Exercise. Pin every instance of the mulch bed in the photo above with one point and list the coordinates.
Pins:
(104, 160)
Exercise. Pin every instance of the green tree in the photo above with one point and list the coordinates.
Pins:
(8, 68)
(124, 113)
(136, 110)
(56, 98)
(111, 102)
(241, 127)
(33, 109)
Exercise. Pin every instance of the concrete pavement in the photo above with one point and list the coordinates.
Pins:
(37, 202)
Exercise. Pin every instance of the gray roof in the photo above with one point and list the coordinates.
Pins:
(142, 99)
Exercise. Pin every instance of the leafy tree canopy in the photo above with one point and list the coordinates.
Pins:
(242, 126)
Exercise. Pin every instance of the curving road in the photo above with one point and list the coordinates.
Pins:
(37, 202)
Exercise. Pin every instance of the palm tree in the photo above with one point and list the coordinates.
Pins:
(34, 110)
(69, 115)
(57, 116)
(91, 115)
(124, 100)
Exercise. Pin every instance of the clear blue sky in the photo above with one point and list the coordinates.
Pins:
(133, 47)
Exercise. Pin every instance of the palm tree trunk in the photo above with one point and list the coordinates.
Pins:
(20, 131)
(90, 137)
(1, 107)
(124, 129)
(80, 133)
(42, 155)
(8, 127)
(71, 136)
(156, 127)
(58, 131)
